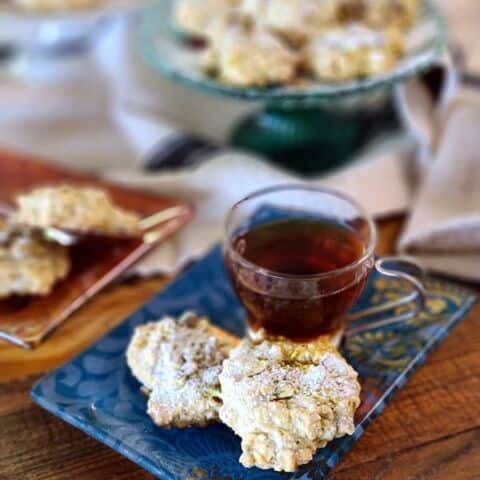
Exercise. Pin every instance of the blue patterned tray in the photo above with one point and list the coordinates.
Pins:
(96, 392)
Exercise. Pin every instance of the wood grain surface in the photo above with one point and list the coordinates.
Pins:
(430, 431)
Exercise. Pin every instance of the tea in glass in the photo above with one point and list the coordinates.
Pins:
(300, 273)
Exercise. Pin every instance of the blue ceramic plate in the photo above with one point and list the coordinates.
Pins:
(96, 392)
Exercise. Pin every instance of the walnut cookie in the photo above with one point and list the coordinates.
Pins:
(74, 208)
(178, 361)
(29, 265)
(285, 400)
(250, 58)
(352, 51)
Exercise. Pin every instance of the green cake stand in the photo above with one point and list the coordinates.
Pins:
(310, 129)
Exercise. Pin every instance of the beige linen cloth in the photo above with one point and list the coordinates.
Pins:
(443, 230)
(106, 115)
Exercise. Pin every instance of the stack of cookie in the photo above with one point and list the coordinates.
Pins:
(31, 260)
(254, 43)
(284, 399)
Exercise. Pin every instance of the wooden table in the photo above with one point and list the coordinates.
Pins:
(431, 430)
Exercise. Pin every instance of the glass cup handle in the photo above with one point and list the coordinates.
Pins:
(418, 295)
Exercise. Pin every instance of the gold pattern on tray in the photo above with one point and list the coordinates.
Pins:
(394, 355)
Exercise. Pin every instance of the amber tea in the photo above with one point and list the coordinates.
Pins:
(289, 292)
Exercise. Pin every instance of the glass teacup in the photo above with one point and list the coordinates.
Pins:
(299, 258)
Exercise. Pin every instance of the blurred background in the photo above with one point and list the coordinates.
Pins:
(93, 69)
(78, 90)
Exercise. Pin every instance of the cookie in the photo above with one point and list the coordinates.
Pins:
(29, 265)
(294, 20)
(179, 361)
(82, 209)
(353, 51)
(194, 17)
(245, 58)
(390, 13)
(285, 400)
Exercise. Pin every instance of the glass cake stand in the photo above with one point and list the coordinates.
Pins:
(33, 44)
(310, 128)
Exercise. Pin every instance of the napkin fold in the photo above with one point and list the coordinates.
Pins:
(443, 231)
